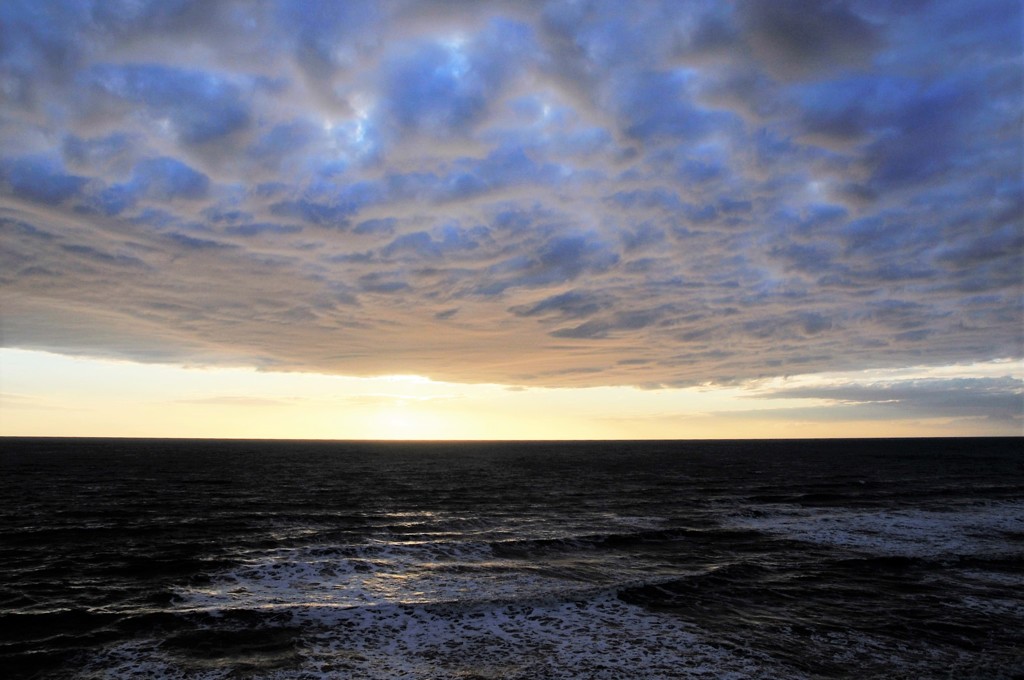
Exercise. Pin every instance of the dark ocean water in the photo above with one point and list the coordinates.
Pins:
(229, 559)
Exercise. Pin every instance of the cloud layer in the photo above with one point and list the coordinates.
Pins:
(559, 193)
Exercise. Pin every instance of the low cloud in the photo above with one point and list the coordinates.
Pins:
(995, 398)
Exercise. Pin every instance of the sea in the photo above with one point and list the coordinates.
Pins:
(135, 558)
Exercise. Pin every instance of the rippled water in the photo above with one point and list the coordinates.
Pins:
(207, 559)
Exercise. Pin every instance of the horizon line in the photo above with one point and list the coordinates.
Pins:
(506, 441)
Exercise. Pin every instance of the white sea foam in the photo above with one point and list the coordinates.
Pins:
(370, 574)
(391, 609)
(977, 530)
(599, 637)
(388, 569)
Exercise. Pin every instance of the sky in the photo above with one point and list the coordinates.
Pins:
(511, 219)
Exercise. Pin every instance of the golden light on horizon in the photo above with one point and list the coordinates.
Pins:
(53, 395)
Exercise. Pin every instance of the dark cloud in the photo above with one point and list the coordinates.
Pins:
(572, 304)
(376, 226)
(632, 320)
(194, 243)
(998, 398)
(257, 228)
(40, 178)
(382, 282)
(320, 214)
(96, 255)
(678, 192)
(794, 37)
(422, 245)
(560, 260)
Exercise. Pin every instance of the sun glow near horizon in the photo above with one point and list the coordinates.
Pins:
(55, 395)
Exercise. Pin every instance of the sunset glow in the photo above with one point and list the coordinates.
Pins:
(58, 396)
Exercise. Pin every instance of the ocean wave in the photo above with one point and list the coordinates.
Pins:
(598, 637)
(989, 529)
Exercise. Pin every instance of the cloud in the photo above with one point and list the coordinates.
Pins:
(621, 321)
(572, 304)
(168, 179)
(444, 87)
(794, 37)
(200, 106)
(423, 246)
(556, 193)
(674, 118)
(559, 260)
(41, 179)
(326, 36)
(996, 398)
